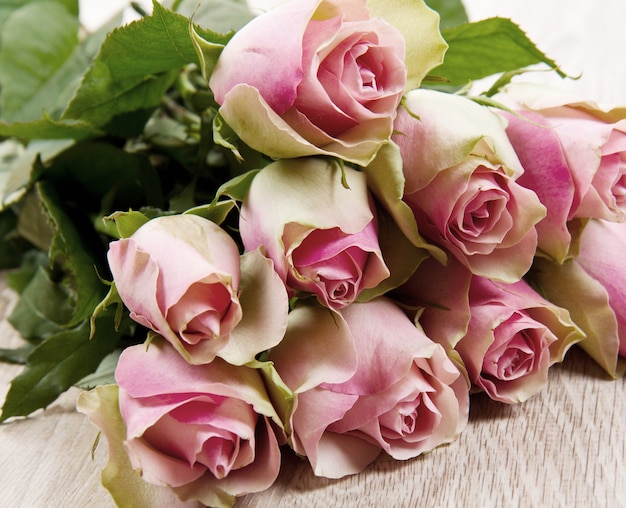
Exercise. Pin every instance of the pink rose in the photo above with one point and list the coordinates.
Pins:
(506, 335)
(574, 157)
(592, 287)
(312, 77)
(367, 381)
(460, 172)
(201, 430)
(321, 236)
(181, 276)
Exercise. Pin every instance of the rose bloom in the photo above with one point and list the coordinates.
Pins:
(202, 431)
(180, 276)
(507, 335)
(367, 381)
(312, 77)
(592, 287)
(460, 181)
(321, 236)
(574, 157)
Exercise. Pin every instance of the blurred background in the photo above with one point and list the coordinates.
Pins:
(587, 39)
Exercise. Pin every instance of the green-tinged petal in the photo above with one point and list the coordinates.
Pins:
(539, 96)
(246, 113)
(279, 393)
(386, 181)
(587, 301)
(265, 306)
(118, 477)
(419, 24)
(318, 348)
(399, 254)
(449, 128)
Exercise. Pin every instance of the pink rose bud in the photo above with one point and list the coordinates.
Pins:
(365, 382)
(461, 171)
(321, 236)
(202, 430)
(312, 77)
(181, 277)
(574, 158)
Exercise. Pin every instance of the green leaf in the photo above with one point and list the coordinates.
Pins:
(48, 128)
(452, 12)
(69, 251)
(19, 279)
(104, 374)
(127, 223)
(215, 212)
(7, 7)
(136, 65)
(17, 355)
(42, 309)
(222, 16)
(39, 71)
(12, 246)
(17, 165)
(58, 363)
(208, 52)
(99, 174)
(487, 47)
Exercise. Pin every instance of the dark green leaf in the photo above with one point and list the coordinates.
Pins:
(69, 251)
(17, 355)
(452, 12)
(39, 71)
(58, 363)
(12, 246)
(136, 64)
(48, 128)
(104, 374)
(487, 47)
(42, 309)
(100, 175)
(19, 279)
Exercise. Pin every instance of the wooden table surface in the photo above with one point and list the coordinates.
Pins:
(565, 447)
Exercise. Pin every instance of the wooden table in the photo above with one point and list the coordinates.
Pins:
(566, 447)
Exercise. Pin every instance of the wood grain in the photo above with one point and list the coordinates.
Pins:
(565, 447)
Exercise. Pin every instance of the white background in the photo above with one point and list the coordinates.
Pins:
(585, 37)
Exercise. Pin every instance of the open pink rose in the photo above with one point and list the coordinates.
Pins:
(321, 236)
(460, 172)
(506, 335)
(514, 335)
(202, 430)
(367, 381)
(312, 77)
(591, 286)
(180, 276)
(574, 157)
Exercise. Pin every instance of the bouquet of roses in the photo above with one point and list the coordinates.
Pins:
(296, 230)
